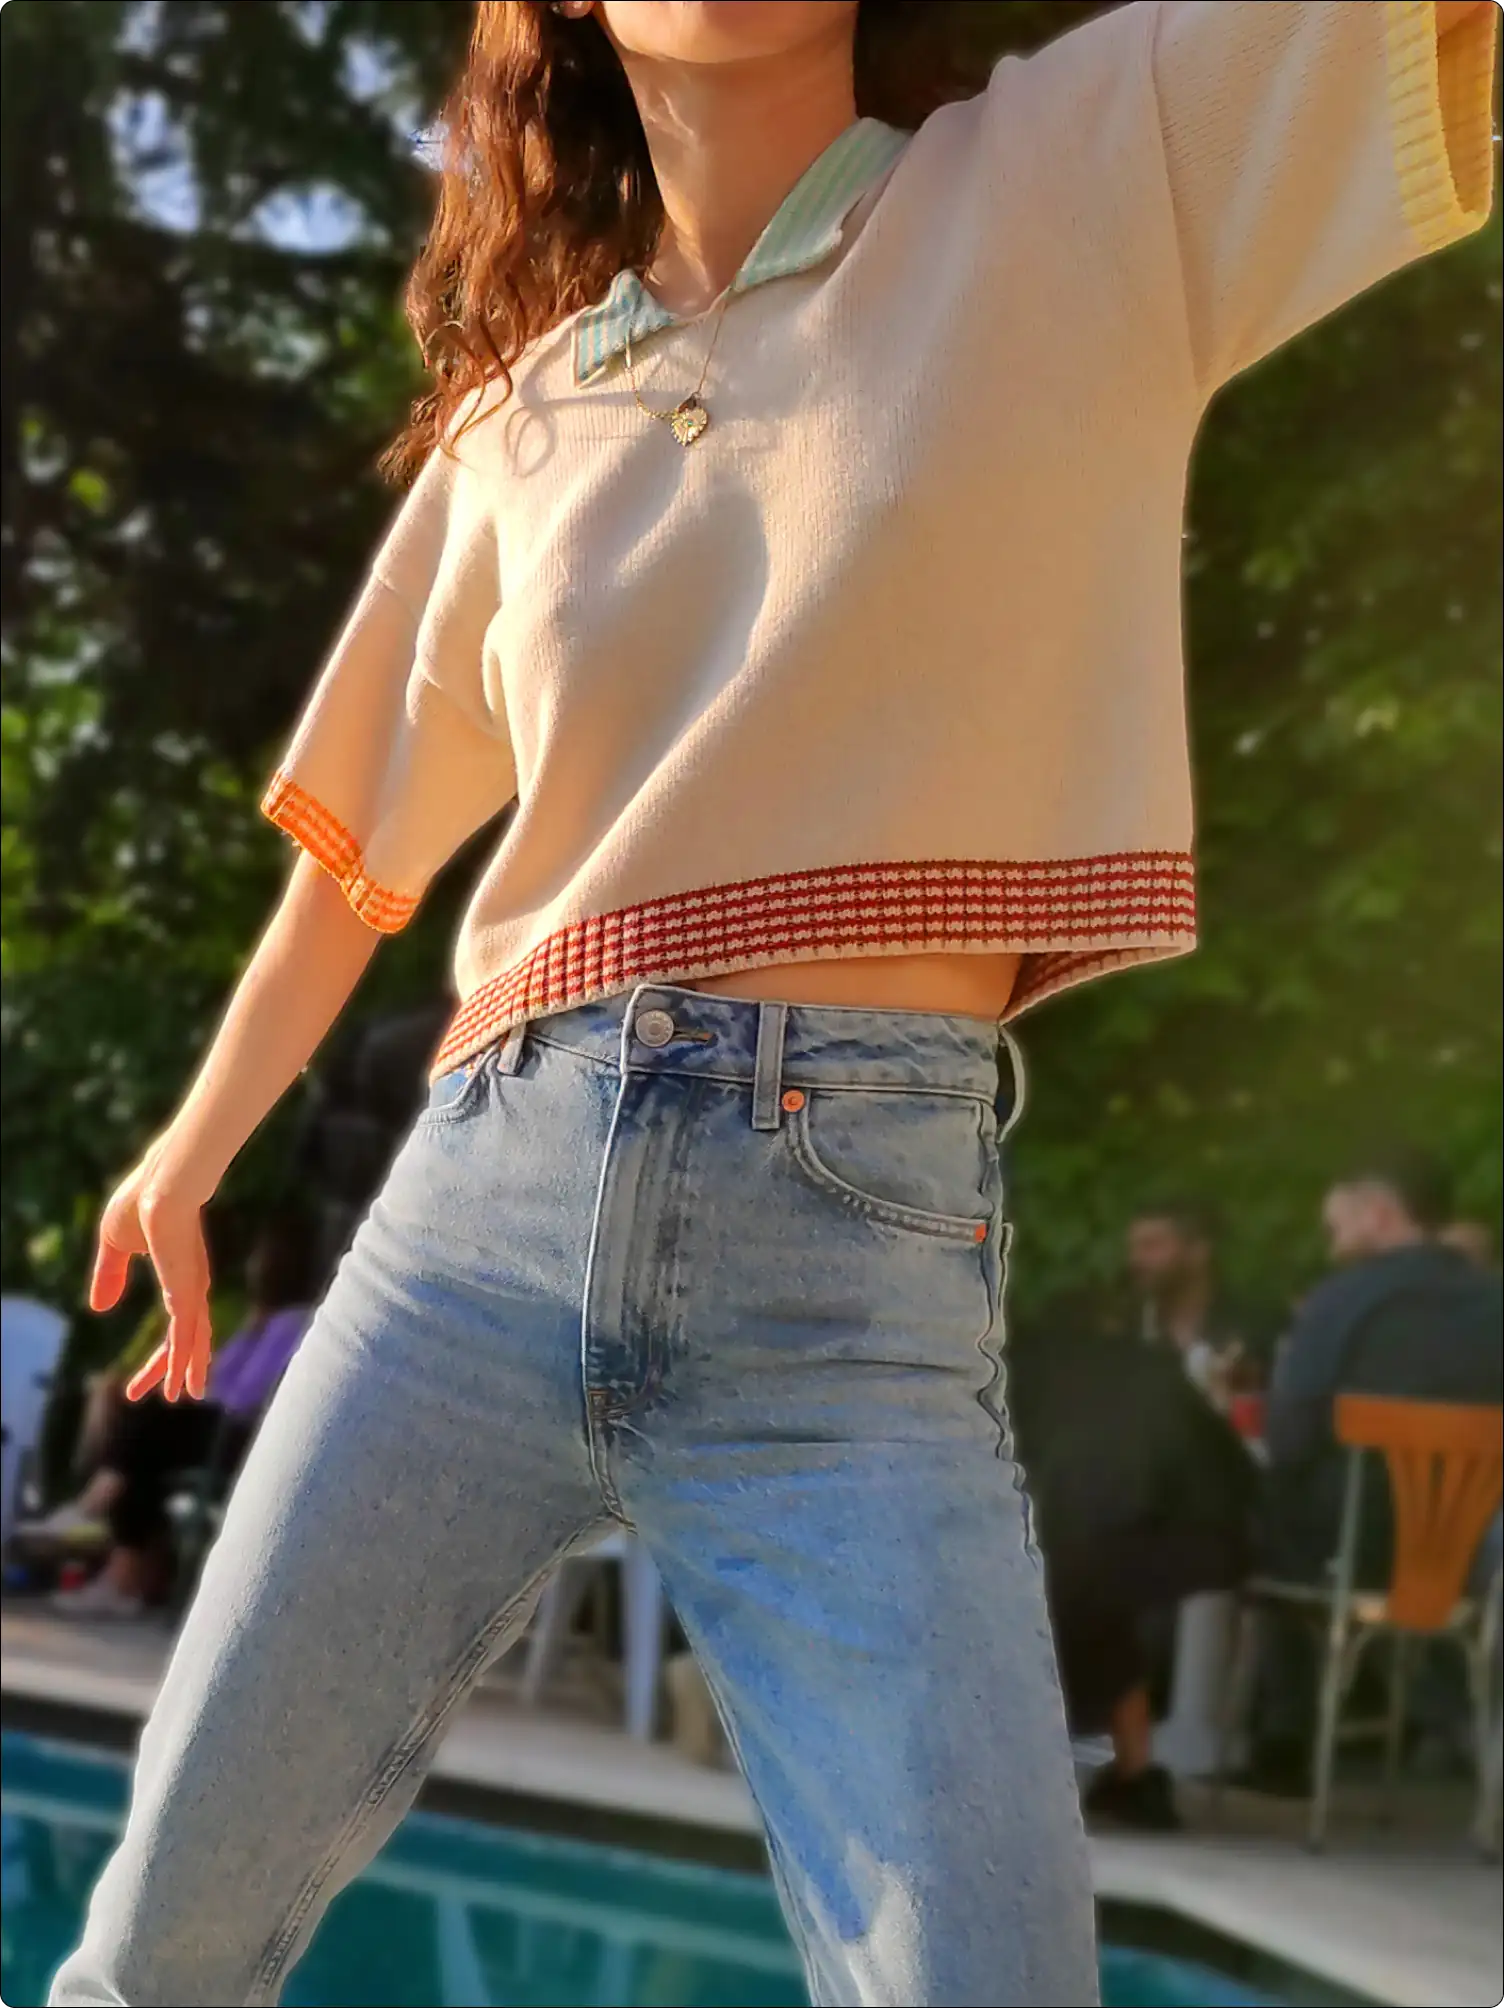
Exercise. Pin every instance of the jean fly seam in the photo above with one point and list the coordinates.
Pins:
(656, 1348)
(428, 1720)
(596, 1441)
(596, 1447)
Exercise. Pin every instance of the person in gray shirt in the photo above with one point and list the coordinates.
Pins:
(1402, 1314)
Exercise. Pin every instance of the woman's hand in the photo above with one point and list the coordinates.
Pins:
(157, 1211)
(304, 967)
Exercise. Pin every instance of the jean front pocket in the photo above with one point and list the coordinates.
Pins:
(460, 1092)
(918, 1162)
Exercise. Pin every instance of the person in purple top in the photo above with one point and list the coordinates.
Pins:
(245, 1373)
(147, 1443)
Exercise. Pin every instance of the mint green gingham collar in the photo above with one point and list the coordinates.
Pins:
(806, 229)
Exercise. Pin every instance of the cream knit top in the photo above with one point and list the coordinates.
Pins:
(889, 661)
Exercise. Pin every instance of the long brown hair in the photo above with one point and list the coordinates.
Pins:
(547, 190)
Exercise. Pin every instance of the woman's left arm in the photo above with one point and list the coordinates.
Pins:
(1312, 148)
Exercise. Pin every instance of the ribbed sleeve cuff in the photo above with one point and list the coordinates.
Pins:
(1441, 101)
(330, 844)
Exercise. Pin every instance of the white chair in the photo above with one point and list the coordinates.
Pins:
(642, 1625)
(31, 1339)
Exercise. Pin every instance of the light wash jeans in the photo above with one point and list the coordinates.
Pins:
(730, 1273)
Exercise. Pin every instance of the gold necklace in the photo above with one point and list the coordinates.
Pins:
(687, 419)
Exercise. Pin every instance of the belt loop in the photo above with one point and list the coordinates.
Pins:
(1006, 1124)
(771, 1020)
(509, 1054)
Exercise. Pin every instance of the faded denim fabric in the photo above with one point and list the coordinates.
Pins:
(730, 1273)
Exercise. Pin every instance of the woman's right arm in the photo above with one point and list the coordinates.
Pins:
(303, 969)
(400, 755)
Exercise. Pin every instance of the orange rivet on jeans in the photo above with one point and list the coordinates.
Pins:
(981, 1233)
(793, 1100)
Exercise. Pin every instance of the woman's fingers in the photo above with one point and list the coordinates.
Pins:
(187, 1351)
(148, 1215)
(120, 1237)
(112, 1266)
(149, 1376)
(198, 1364)
(175, 1242)
(196, 1352)
(187, 1337)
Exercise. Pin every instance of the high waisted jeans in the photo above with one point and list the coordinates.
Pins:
(729, 1273)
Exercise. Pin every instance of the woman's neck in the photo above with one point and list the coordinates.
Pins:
(728, 143)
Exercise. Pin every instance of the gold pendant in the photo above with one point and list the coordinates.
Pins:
(688, 420)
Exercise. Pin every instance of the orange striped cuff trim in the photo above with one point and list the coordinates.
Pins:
(331, 845)
(1441, 99)
(1127, 907)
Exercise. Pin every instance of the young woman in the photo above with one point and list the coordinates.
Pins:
(797, 543)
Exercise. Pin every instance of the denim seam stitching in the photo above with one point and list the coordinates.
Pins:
(467, 1102)
(575, 1052)
(426, 1723)
(992, 1399)
(794, 1078)
(677, 1203)
(597, 1426)
(791, 1078)
(990, 1343)
(917, 1219)
(777, 1863)
(596, 1448)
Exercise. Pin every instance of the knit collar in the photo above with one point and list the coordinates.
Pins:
(806, 229)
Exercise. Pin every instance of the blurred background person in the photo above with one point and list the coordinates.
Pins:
(1143, 1495)
(145, 1447)
(1403, 1314)
(1171, 1259)
(363, 1103)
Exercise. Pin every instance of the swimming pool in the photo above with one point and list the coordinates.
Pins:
(456, 1914)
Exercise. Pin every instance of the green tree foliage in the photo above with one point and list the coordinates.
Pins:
(195, 389)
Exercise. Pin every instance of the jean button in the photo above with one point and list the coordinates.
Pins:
(654, 1028)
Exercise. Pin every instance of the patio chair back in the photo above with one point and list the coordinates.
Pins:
(31, 1342)
(1445, 1471)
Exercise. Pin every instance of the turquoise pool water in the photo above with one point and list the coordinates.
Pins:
(455, 1914)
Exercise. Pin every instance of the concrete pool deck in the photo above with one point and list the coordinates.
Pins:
(1407, 1917)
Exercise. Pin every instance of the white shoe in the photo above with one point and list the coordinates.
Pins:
(98, 1599)
(68, 1523)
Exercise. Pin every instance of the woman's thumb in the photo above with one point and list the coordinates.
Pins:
(111, 1267)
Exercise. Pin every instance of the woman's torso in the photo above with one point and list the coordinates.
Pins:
(966, 986)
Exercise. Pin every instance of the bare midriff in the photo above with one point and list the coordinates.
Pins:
(964, 986)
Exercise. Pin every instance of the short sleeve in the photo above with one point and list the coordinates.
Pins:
(402, 752)
(1313, 147)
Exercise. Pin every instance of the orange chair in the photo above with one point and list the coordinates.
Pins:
(1444, 1465)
